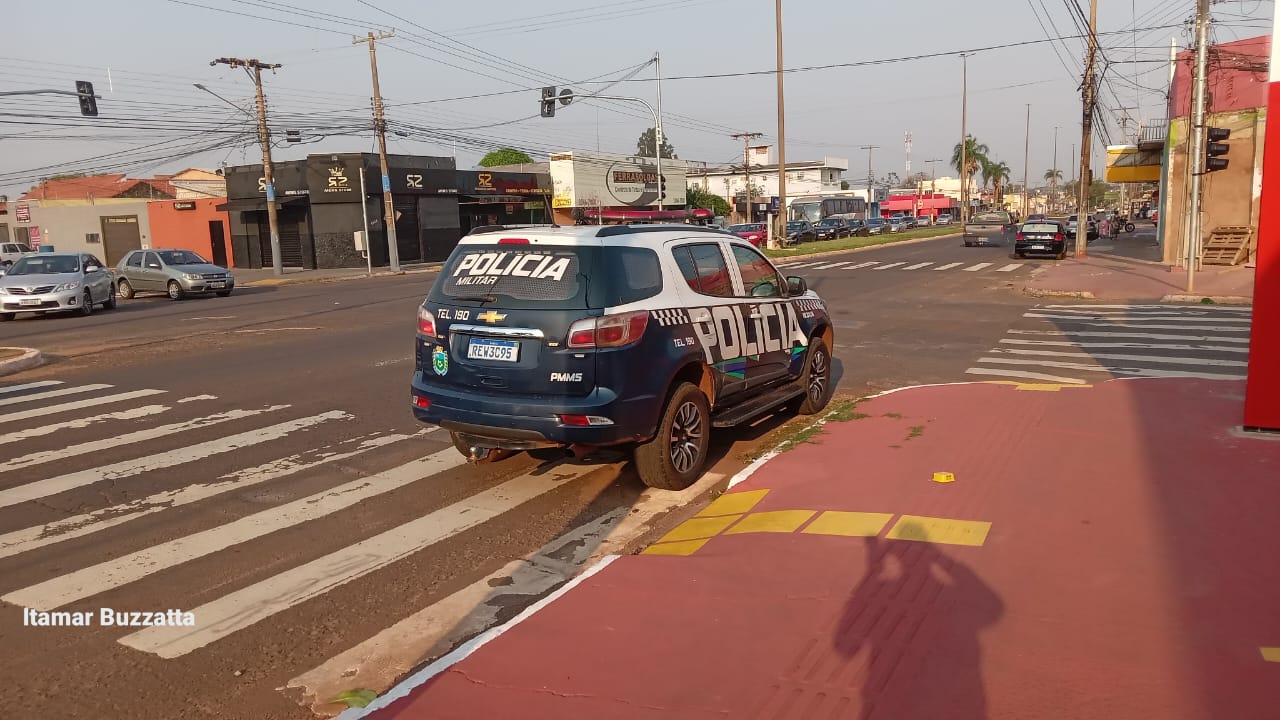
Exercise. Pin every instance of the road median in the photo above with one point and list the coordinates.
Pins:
(16, 359)
(859, 244)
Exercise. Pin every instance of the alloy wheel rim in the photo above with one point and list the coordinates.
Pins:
(173, 291)
(818, 376)
(686, 436)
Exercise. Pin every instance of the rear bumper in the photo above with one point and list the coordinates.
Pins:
(1028, 246)
(532, 421)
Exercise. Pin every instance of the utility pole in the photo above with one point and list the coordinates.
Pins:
(933, 176)
(746, 138)
(264, 138)
(380, 130)
(870, 176)
(657, 129)
(1197, 156)
(782, 140)
(964, 143)
(1026, 169)
(1053, 181)
(1086, 134)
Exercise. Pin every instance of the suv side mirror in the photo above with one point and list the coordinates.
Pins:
(91, 268)
(796, 285)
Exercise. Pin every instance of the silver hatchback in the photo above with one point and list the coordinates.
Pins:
(46, 282)
(177, 273)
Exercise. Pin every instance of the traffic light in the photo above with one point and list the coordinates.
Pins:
(1215, 147)
(549, 101)
(88, 103)
(662, 187)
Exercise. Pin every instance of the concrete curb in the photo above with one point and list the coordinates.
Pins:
(825, 253)
(1081, 294)
(29, 358)
(275, 282)
(1213, 299)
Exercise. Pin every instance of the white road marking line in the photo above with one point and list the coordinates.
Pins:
(53, 393)
(890, 265)
(833, 265)
(1131, 358)
(196, 398)
(803, 264)
(39, 458)
(1142, 318)
(1153, 336)
(1189, 312)
(104, 576)
(213, 317)
(130, 414)
(1133, 346)
(1164, 306)
(160, 461)
(29, 386)
(243, 608)
(1025, 375)
(266, 330)
(1158, 326)
(1010, 267)
(948, 266)
(28, 539)
(77, 405)
(917, 266)
(863, 265)
(1115, 370)
(978, 267)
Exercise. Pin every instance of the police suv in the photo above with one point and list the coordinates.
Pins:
(644, 336)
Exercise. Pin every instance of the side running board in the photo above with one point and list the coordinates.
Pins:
(757, 405)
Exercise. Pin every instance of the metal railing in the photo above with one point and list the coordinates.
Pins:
(1154, 130)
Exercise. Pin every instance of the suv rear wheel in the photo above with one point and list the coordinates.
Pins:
(816, 380)
(675, 457)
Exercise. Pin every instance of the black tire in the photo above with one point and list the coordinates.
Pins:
(675, 457)
(86, 303)
(1020, 256)
(1062, 254)
(816, 378)
(223, 293)
(6, 317)
(175, 291)
(1128, 227)
(493, 456)
(125, 290)
(110, 303)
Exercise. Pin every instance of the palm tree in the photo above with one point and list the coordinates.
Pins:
(1054, 176)
(1000, 177)
(975, 156)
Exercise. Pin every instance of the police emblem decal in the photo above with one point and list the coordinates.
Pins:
(440, 360)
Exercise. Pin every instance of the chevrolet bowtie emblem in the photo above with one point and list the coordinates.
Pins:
(490, 316)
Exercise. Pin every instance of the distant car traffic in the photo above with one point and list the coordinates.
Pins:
(832, 228)
(1091, 233)
(877, 226)
(45, 282)
(985, 227)
(10, 253)
(923, 221)
(799, 231)
(754, 233)
(1037, 217)
(177, 273)
(1041, 237)
(943, 219)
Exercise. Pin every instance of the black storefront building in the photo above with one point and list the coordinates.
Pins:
(318, 206)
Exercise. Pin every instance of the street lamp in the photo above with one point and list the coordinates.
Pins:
(202, 87)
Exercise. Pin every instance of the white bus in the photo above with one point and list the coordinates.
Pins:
(817, 207)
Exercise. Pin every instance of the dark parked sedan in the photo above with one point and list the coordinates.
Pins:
(1042, 237)
(799, 231)
(832, 228)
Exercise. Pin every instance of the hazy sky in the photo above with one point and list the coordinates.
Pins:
(157, 49)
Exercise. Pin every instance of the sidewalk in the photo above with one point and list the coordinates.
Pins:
(1091, 559)
(1130, 268)
(263, 277)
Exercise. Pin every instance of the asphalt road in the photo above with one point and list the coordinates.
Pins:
(253, 460)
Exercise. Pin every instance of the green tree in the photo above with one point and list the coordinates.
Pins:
(696, 197)
(505, 156)
(1053, 176)
(844, 184)
(998, 172)
(645, 145)
(975, 156)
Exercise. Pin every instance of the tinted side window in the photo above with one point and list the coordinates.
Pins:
(759, 279)
(135, 260)
(152, 259)
(705, 269)
(633, 274)
(93, 260)
(23, 248)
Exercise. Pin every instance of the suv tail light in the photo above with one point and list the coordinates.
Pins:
(1019, 236)
(426, 322)
(1057, 236)
(608, 331)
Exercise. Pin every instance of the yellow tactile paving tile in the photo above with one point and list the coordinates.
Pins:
(1271, 654)
(775, 521)
(848, 524)
(683, 547)
(698, 528)
(1040, 387)
(733, 503)
(940, 530)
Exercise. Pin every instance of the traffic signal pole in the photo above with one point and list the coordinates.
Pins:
(1197, 154)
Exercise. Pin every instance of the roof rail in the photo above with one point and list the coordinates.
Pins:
(614, 230)
(499, 228)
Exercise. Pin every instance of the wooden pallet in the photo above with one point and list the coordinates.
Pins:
(1227, 245)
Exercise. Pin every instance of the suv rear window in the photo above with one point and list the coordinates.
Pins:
(549, 276)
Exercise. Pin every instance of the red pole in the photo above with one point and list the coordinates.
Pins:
(1262, 393)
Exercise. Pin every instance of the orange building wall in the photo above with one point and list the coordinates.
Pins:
(189, 229)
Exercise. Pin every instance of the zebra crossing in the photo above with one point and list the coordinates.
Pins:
(1082, 344)
(169, 451)
(906, 266)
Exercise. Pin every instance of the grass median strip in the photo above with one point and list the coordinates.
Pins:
(852, 243)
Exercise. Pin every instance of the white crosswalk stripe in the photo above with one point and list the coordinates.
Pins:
(979, 266)
(832, 265)
(166, 474)
(1077, 344)
(948, 266)
(905, 265)
(1010, 267)
(917, 266)
(890, 265)
(863, 265)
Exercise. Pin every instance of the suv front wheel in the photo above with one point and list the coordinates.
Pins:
(675, 457)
